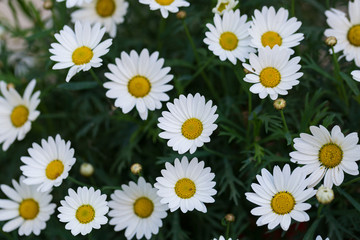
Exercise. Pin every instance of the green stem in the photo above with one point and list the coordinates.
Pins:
(319, 210)
(227, 230)
(95, 77)
(104, 188)
(351, 181)
(77, 182)
(292, 10)
(338, 77)
(284, 121)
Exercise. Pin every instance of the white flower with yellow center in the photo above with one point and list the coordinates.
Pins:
(189, 123)
(327, 154)
(79, 50)
(356, 75)
(165, 6)
(17, 113)
(138, 81)
(48, 164)
(270, 28)
(83, 210)
(186, 185)
(26, 209)
(346, 31)
(107, 12)
(228, 37)
(280, 197)
(272, 72)
(223, 6)
(137, 209)
(73, 3)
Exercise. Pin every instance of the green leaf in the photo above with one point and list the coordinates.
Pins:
(355, 203)
(78, 85)
(351, 83)
(310, 233)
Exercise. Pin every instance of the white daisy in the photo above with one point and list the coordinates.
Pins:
(165, 6)
(17, 113)
(138, 81)
(138, 209)
(272, 72)
(222, 238)
(79, 50)
(320, 238)
(356, 75)
(186, 185)
(27, 209)
(347, 32)
(270, 28)
(107, 12)
(72, 3)
(189, 123)
(83, 210)
(327, 154)
(228, 37)
(280, 197)
(48, 164)
(223, 6)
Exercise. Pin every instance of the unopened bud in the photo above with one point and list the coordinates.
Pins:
(230, 217)
(279, 104)
(86, 169)
(325, 195)
(331, 41)
(136, 168)
(246, 71)
(10, 85)
(181, 14)
(48, 4)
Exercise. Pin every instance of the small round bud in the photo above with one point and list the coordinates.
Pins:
(324, 195)
(331, 41)
(136, 168)
(181, 14)
(246, 71)
(48, 4)
(10, 85)
(279, 104)
(230, 217)
(86, 169)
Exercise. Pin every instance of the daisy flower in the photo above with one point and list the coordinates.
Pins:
(138, 81)
(186, 185)
(137, 209)
(107, 12)
(356, 75)
(165, 6)
(222, 238)
(320, 238)
(327, 154)
(72, 3)
(280, 197)
(17, 113)
(48, 164)
(224, 6)
(83, 210)
(272, 72)
(189, 123)
(228, 37)
(79, 50)
(26, 209)
(270, 28)
(346, 31)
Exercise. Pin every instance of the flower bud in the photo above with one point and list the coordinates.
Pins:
(331, 41)
(10, 85)
(136, 168)
(86, 169)
(181, 14)
(230, 217)
(279, 104)
(324, 195)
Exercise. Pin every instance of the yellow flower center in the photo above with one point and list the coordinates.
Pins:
(192, 128)
(54, 169)
(282, 203)
(19, 115)
(29, 209)
(330, 155)
(143, 207)
(270, 77)
(85, 214)
(354, 35)
(270, 39)
(139, 86)
(228, 41)
(185, 188)
(164, 2)
(222, 6)
(105, 8)
(82, 55)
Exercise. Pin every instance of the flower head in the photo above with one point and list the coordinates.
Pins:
(223, 6)
(165, 6)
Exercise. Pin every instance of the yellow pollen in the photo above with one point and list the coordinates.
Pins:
(82, 55)
(185, 188)
(330, 155)
(143, 207)
(29, 209)
(282, 203)
(85, 214)
(270, 39)
(222, 6)
(139, 86)
(54, 169)
(19, 115)
(105, 8)
(164, 2)
(270, 77)
(228, 41)
(192, 128)
(354, 35)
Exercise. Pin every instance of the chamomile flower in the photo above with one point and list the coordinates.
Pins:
(48, 164)
(165, 6)
(26, 209)
(223, 6)
(83, 210)
(17, 113)
(356, 75)
(107, 12)
(73, 3)
(186, 185)
(189, 123)
(79, 50)
(326, 154)
(137, 209)
(138, 81)
(270, 28)
(228, 37)
(280, 197)
(346, 31)
(272, 72)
